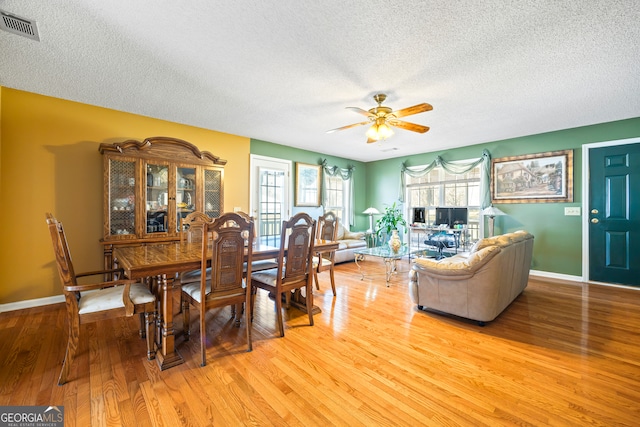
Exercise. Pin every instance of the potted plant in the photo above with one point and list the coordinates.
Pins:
(390, 220)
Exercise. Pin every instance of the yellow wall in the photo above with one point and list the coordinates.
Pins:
(50, 163)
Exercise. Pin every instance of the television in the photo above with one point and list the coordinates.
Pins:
(442, 216)
(418, 216)
(458, 216)
(451, 216)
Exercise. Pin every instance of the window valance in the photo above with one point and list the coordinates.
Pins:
(455, 167)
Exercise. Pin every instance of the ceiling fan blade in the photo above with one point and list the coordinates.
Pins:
(360, 111)
(409, 126)
(348, 127)
(420, 108)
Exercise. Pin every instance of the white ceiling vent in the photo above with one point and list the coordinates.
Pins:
(20, 26)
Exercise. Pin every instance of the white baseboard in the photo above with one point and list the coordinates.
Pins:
(556, 276)
(576, 280)
(31, 303)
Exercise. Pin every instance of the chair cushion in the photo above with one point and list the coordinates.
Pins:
(267, 277)
(110, 298)
(193, 276)
(325, 262)
(193, 290)
(265, 264)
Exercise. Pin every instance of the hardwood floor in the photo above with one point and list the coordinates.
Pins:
(561, 354)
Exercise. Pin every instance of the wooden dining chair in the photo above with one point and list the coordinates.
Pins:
(97, 301)
(223, 245)
(327, 230)
(295, 264)
(191, 232)
(262, 264)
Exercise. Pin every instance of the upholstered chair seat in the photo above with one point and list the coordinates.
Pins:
(111, 298)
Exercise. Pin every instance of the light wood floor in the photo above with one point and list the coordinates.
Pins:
(559, 355)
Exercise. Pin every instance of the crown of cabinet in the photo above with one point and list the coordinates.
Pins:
(150, 185)
(162, 147)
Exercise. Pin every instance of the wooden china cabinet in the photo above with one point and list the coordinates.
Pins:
(150, 185)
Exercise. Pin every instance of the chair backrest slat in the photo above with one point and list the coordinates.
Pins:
(298, 234)
(228, 237)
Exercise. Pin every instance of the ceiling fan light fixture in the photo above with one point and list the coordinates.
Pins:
(384, 131)
(379, 130)
(372, 133)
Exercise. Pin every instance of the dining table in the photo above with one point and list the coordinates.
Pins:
(161, 262)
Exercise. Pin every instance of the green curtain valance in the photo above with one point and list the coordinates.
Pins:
(454, 168)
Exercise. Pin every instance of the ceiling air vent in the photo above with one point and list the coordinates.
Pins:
(20, 26)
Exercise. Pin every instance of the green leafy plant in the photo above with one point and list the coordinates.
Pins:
(390, 220)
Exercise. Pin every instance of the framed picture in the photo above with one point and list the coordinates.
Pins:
(308, 185)
(533, 178)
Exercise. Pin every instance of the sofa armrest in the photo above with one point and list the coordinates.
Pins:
(459, 267)
(353, 235)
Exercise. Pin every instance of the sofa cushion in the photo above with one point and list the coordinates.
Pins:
(353, 235)
(340, 233)
(501, 240)
(352, 243)
(459, 265)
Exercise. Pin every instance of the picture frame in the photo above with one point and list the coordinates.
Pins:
(308, 185)
(533, 178)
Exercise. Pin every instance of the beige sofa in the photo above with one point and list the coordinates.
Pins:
(477, 285)
(349, 242)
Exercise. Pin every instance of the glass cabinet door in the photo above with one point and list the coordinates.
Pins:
(185, 193)
(212, 192)
(122, 197)
(157, 198)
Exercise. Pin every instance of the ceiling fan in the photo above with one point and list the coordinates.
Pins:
(381, 118)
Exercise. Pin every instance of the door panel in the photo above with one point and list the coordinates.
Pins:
(614, 214)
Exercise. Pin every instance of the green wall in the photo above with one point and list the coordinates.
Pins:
(558, 238)
(268, 149)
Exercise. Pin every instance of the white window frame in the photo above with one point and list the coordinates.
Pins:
(475, 220)
(344, 210)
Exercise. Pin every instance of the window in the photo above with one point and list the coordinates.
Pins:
(337, 192)
(439, 188)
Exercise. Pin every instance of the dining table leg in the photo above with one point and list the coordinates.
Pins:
(167, 356)
(300, 302)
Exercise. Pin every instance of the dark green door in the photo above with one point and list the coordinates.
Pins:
(614, 214)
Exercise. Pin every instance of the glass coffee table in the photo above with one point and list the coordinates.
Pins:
(388, 256)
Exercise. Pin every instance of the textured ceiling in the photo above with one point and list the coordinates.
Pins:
(284, 71)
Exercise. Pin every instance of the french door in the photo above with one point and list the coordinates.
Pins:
(270, 196)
